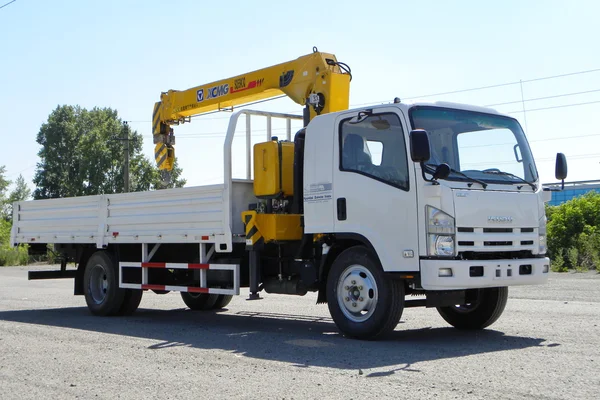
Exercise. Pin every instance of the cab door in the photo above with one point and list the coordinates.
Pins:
(374, 185)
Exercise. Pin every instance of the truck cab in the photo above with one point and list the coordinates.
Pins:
(482, 225)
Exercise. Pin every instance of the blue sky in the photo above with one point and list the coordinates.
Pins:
(123, 54)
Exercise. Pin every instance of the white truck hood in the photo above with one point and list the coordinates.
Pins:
(495, 209)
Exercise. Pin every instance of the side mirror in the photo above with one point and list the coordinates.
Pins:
(419, 145)
(560, 170)
(441, 171)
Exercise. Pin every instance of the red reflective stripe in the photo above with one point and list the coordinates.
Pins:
(197, 290)
(153, 265)
(198, 266)
(204, 238)
(154, 287)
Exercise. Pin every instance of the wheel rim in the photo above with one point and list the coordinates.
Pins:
(468, 307)
(464, 308)
(98, 284)
(357, 293)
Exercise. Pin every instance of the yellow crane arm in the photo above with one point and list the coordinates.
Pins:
(316, 79)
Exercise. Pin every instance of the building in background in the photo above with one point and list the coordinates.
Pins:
(572, 189)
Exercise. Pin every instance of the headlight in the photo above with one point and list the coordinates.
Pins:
(542, 237)
(439, 222)
(440, 233)
(542, 244)
(441, 245)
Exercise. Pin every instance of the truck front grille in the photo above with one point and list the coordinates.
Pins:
(471, 239)
(497, 230)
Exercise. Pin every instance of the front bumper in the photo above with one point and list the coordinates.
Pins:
(461, 276)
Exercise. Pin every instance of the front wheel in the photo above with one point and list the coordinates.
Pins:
(362, 302)
(484, 310)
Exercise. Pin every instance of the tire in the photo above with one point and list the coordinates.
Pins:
(222, 301)
(483, 312)
(199, 301)
(131, 301)
(101, 285)
(356, 278)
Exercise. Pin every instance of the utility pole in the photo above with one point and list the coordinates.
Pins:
(126, 169)
(125, 138)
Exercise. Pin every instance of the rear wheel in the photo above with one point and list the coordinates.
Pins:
(362, 303)
(101, 285)
(199, 301)
(484, 310)
(131, 301)
(222, 301)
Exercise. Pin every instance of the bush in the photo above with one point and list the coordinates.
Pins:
(572, 256)
(589, 253)
(574, 233)
(11, 255)
(558, 262)
(4, 232)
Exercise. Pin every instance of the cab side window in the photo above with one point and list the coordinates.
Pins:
(375, 146)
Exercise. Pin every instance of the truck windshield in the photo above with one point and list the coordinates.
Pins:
(487, 147)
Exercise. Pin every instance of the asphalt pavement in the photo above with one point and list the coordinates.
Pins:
(546, 345)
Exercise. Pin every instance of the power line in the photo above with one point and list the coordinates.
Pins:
(564, 138)
(506, 84)
(561, 75)
(487, 87)
(543, 98)
(10, 2)
(550, 108)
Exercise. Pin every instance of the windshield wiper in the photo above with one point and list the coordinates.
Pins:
(503, 173)
(482, 183)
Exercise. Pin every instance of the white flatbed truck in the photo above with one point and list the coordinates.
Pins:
(375, 227)
(365, 206)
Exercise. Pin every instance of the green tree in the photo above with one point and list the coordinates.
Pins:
(4, 183)
(20, 192)
(81, 154)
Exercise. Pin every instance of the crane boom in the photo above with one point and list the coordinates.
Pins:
(316, 80)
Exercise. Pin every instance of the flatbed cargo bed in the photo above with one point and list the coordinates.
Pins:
(203, 214)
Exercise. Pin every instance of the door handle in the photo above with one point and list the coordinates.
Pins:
(341, 209)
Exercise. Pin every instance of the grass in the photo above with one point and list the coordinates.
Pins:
(13, 255)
